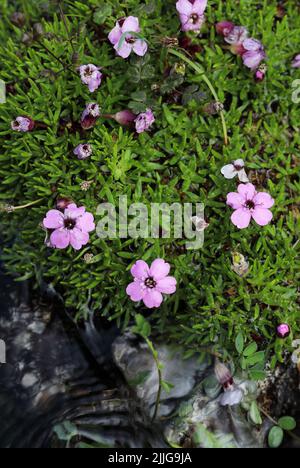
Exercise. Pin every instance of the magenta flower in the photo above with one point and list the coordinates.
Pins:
(254, 53)
(283, 330)
(296, 62)
(191, 13)
(248, 204)
(71, 227)
(150, 283)
(23, 124)
(83, 151)
(124, 41)
(144, 121)
(91, 76)
(90, 115)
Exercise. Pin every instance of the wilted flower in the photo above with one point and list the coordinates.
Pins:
(239, 264)
(83, 151)
(254, 53)
(63, 203)
(296, 62)
(88, 258)
(91, 76)
(248, 204)
(236, 37)
(237, 168)
(18, 19)
(90, 115)
(86, 185)
(224, 28)
(232, 395)
(191, 14)
(283, 330)
(150, 283)
(23, 124)
(144, 121)
(125, 38)
(199, 223)
(125, 117)
(71, 227)
(260, 73)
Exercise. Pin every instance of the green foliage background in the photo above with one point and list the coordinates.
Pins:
(180, 160)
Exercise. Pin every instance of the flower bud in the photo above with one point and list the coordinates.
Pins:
(223, 375)
(224, 28)
(18, 19)
(283, 330)
(63, 203)
(125, 117)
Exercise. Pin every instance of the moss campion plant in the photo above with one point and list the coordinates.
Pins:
(106, 101)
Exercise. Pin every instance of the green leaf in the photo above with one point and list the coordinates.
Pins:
(275, 437)
(251, 349)
(287, 423)
(254, 414)
(239, 343)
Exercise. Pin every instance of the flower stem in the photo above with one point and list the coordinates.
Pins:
(159, 373)
(201, 72)
(21, 207)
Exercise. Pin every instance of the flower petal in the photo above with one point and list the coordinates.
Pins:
(199, 6)
(184, 7)
(125, 50)
(86, 223)
(135, 291)
(229, 171)
(235, 200)
(60, 238)
(159, 269)
(167, 285)
(78, 238)
(140, 270)
(140, 47)
(53, 220)
(243, 176)
(152, 299)
(247, 191)
(262, 216)
(264, 200)
(131, 24)
(115, 35)
(241, 218)
(231, 397)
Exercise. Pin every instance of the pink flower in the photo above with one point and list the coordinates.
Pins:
(191, 14)
(90, 115)
(254, 53)
(283, 330)
(237, 35)
(248, 204)
(237, 168)
(91, 76)
(131, 42)
(233, 394)
(23, 124)
(144, 121)
(83, 151)
(150, 283)
(296, 62)
(69, 228)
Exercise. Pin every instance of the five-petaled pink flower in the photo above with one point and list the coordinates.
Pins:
(91, 76)
(144, 121)
(150, 283)
(125, 39)
(23, 124)
(71, 227)
(248, 203)
(191, 14)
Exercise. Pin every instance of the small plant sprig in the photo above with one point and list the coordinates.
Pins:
(143, 329)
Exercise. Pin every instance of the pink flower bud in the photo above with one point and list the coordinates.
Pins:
(283, 330)
(223, 375)
(63, 203)
(125, 117)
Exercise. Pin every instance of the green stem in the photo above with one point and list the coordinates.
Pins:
(66, 25)
(159, 374)
(14, 208)
(201, 72)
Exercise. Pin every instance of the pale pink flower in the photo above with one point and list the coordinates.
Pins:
(237, 168)
(248, 204)
(254, 53)
(83, 151)
(124, 41)
(296, 62)
(199, 223)
(144, 121)
(23, 124)
(71, 227)
(233, 394)
(91, 76)
(150, 283)
(191, 14)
